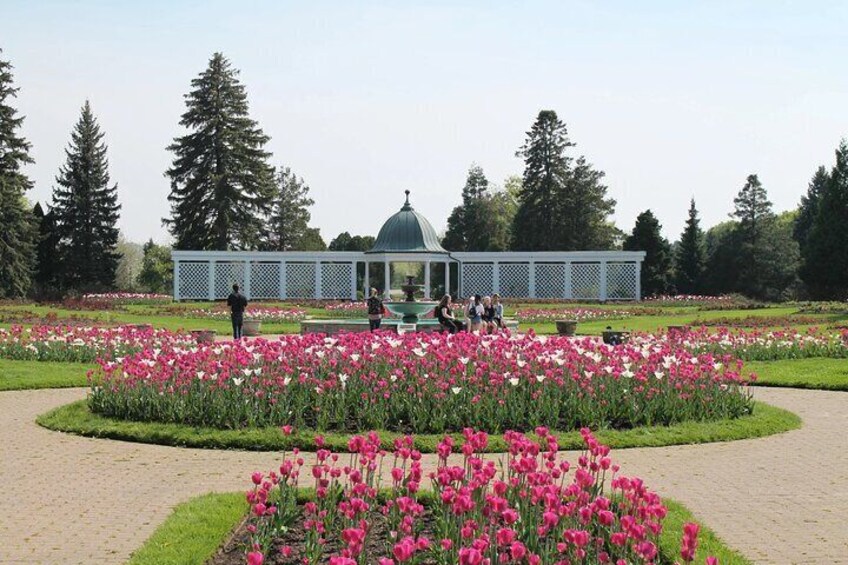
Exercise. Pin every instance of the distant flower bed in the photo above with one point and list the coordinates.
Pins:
(707, 302)
(755, 345)
(129, 297)
(347, 309)
(822, 307)
(49, 319)
(761, 321)
(535, 507)
(86, 344)
(422, 383)
(549, 316)
(261, 313)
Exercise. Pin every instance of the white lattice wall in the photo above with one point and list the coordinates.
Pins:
(300, 280)
(586, 281)
(264, 280)
(194, 280)
(514, 280)
(336, 280)
(477, 278)
(550, 280)
(622, 279)
(226, 275)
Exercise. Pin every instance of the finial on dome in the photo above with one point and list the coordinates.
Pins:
(407, 197)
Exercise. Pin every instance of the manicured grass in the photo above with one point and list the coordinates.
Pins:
(193, 532)
(77, 418)
(817, 373)
(18, 375)
(197, 528)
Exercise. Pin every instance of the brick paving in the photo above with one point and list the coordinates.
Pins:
(68, 499)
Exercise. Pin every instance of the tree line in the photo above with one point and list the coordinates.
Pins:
(225, 194)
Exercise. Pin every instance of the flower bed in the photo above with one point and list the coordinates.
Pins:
(761, 321)
(129, 297)
(347, 309)
(422, 384)
(535, 508)
(260, 313)
(86, 344)
(706, 302)
(551, 315)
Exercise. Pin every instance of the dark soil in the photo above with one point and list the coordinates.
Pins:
(377, 543)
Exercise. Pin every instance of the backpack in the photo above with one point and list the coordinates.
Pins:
(472, 311)
(374, 306)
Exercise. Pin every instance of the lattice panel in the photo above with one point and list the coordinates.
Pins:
(194, 280)
(621, 280)
(477, 278)
(300, 280)
(226, 275)
(264, 280)
(336, 280)
(550, 280)
(514, 280)
(586, 280)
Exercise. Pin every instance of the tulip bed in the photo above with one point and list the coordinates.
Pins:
(422, 383)
(548, 316)
(261, 313)
(531, 506)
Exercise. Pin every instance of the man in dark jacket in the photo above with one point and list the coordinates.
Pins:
(237, 303)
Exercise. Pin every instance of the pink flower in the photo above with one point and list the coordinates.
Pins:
(255, 558)
(517, 551)
(470, 556)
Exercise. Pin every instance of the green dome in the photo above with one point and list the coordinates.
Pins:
(407, 232)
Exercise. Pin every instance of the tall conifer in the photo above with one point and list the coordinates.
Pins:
(288, 227)
(689, 259)
(17, 233)
(656, 267)
(86, 210)
(221, 183)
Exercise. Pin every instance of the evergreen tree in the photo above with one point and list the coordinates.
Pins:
(86, 209)
(563, 204)
(825, 267)
(48, 262)
(288, 226)
(157, 269)
(689, 259)
(809, 206)
(752, 209)
(466, 224)
(17, 232)
(722, 262)
(346, 242)
(221, 183)
(656, 267)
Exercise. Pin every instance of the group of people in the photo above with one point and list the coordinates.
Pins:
(481, 314)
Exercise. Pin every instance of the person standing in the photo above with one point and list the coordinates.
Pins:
(375, 310)
(237, 303)
(498, 306)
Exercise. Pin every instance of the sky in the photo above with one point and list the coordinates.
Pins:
(673, 100)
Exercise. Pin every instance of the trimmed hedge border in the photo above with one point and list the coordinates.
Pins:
(76, 418)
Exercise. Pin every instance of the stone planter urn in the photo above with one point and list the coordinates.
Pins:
(204, 336)
(251, 328)
(566, 327)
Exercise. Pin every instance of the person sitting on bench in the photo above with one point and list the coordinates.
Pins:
(444, 313)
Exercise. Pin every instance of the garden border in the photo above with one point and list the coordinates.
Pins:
(76, 418)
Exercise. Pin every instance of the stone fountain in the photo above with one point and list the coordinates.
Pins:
(409, 308)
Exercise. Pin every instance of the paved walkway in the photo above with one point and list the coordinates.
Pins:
(68, 499)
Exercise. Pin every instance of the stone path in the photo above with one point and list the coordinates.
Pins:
(68, 499)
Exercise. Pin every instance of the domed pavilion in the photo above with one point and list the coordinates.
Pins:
(407, 237)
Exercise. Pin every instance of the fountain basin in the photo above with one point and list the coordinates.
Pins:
(409, 310)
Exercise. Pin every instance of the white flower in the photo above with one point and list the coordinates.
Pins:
(343, 379)
(354, 357)
(628, 374)
(658, 375)
(393, 377)
(456, 390)
(238, 382)
(521, 363)
(464, 360)
(201, 374)
(540, 378)
(418, 351)
(514, 381)
(286, 381)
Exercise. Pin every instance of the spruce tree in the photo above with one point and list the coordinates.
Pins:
(689, 259)
(17, 232)
(809, 207)
(562, 204)
(86, 209)
(221, 183)
(825, 265)
(48, 262)
(467, 222)
(288, 226)
(656, 267)
(752, 209)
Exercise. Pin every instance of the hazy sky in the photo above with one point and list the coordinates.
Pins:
(365, 99)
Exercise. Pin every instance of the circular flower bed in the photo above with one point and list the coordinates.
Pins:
(422, 384)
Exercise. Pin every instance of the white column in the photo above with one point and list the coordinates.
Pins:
(496, 277)
(211, 280)
(247, 293)
(318, 280)
(427, 280)
(387, 279)
(531, 282)
(366, 292)
(603, 289)
(177, 281)
(567, 282)
(283, 294)
(447, 277)
(353, 281)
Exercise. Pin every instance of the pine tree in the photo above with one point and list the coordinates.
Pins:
(17, 232)
(562, 203)
(48, 261)
(656, 267)
(288, 227)
(825, 266)
(466, 223)
(689, 259)
(221, 182)
(752, 209)
(86, 209)
(809, 207)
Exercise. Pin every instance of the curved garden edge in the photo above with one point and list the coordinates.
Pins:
(196, 529)
(76, 418)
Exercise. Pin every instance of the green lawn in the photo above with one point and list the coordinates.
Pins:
(17, 375)
(820, 373)
(77, 418)
(197, 528)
